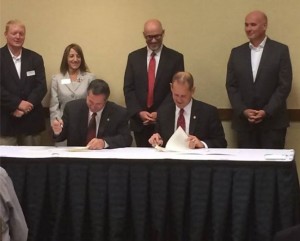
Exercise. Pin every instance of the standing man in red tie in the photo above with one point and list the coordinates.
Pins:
(147, 80)
(94, 122)
(198, 119)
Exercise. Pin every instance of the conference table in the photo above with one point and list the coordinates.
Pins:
(70, 193)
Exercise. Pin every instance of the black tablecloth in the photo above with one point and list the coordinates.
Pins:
(144, 200)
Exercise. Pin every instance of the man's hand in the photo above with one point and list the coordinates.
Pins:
(96, 144)
(25, 106)
(57, 126)
(155, 140)
(194, 142)
(18, 113)
(260, 115)
(148, 118)
(254, 116)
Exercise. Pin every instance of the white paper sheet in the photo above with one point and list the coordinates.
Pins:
(178, 141)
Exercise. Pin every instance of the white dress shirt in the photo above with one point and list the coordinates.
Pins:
(256, 53)
(157, 57)
(17, 62)
(98, 119)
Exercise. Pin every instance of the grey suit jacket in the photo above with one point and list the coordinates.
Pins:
(204, 123)
(136, 82)
(62, 93)
(31, 87)
(113, 126)
(270, 89)
(14, 227)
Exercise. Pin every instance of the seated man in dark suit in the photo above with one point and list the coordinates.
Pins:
(13, 226)
(94, 122)
(199, 120)
(289, 234)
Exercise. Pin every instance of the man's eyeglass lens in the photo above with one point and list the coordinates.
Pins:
(157, 37)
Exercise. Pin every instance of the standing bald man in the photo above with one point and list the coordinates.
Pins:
(259, 80)
(145, 94)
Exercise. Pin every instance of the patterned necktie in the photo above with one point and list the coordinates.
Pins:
(181, 120)
(151, 80)
(91, 133)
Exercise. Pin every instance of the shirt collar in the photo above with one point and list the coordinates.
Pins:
(157, 52)
(260, 46)
(187, 108)
(99, 113)
(15, 57)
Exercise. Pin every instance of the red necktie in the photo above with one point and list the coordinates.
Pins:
(181, 120)
(151, 80)
(91, 133)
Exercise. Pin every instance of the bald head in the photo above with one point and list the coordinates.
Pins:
(153, 34)
(256, 24)
(259, 15)
(152, 24)
(184, 78)
(182, 88)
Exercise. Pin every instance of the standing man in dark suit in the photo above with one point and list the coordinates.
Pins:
(147, 80)
(259, 79)
(201, 120)
(94, 122)
(23, 87)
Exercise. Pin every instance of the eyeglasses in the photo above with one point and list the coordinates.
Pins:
(156, 37)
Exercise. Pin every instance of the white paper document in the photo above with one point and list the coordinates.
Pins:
(177, 142)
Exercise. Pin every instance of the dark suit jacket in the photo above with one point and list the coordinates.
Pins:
(204, 124)
(270, 89)
(289, 234)
(136, 81)
(113, 127)
(31, 87)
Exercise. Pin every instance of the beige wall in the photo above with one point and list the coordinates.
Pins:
(203, 30)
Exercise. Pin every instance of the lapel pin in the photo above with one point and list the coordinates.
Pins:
(107, 119)
(194, 117)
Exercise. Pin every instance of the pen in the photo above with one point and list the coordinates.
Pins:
(59, 122)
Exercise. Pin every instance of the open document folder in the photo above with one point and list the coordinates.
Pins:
(177, 142)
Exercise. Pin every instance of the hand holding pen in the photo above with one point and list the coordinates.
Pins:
(57, 125)
(156, 140)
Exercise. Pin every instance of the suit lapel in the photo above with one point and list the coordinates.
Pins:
(169, 124)
(193, 117)
(69, 86)
(11, 66)
(144, 63)
(105, 119)
(161, 64)
(84, 118)
(264, 59)
(246, 58)
(24, 64)
(144, 77)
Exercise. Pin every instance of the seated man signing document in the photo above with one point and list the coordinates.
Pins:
(94, 122)
(198, 119)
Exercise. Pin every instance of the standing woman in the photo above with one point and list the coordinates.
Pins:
(72, 81)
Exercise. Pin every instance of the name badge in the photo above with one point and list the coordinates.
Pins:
(30, 73)
(65, 81)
